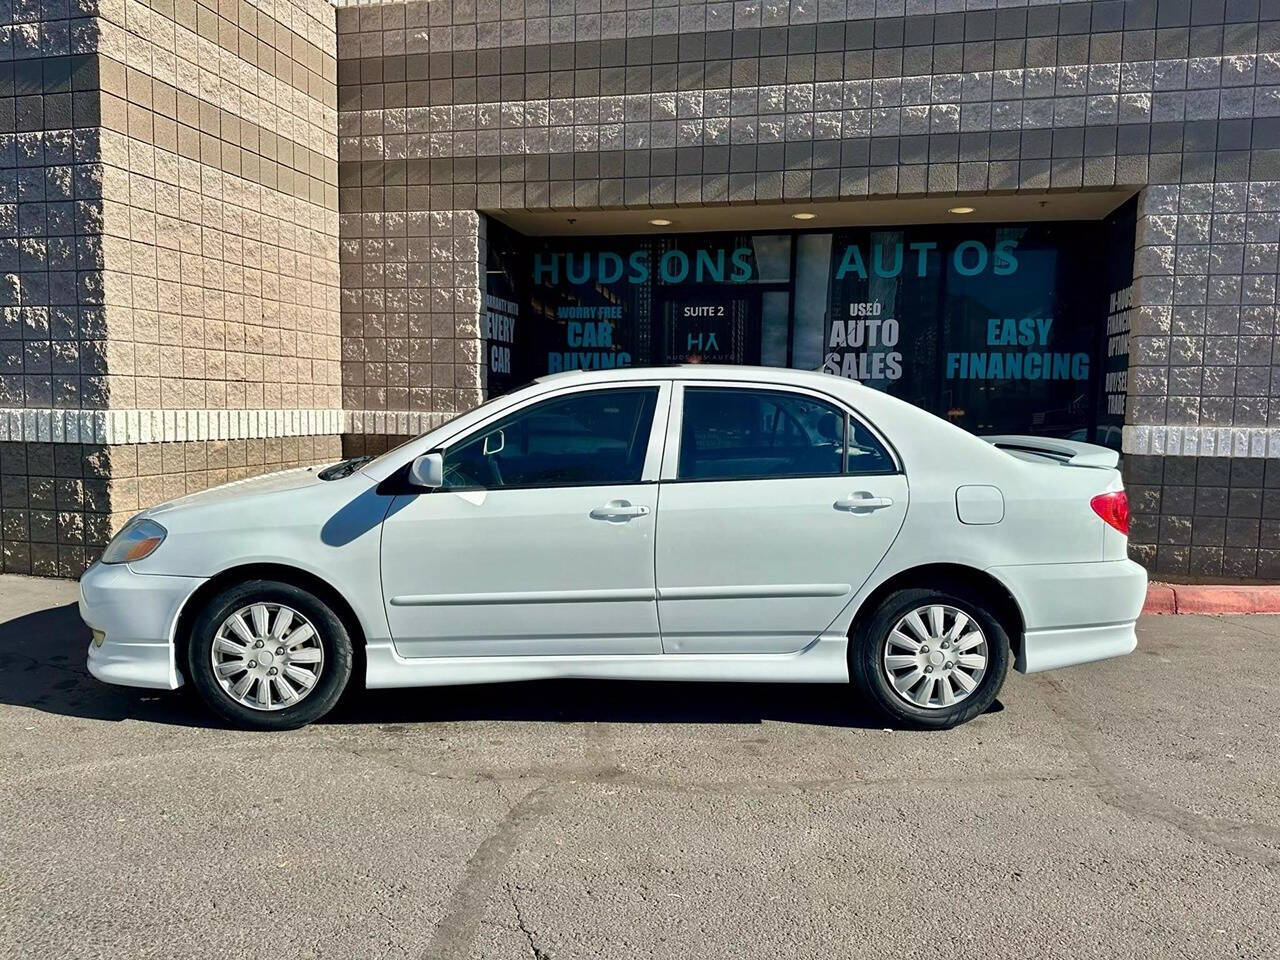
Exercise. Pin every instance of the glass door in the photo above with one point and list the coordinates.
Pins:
(702, 323)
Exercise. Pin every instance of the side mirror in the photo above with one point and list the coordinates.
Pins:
(494, 443)
(427, 471)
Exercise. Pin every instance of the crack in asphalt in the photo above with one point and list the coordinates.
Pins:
(1245, 625)
(457, 928)
(538, 954)
(615, 774)
(389, 944)
(1123, 793)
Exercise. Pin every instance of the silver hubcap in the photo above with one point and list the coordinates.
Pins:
(267, 656)
(935, 657)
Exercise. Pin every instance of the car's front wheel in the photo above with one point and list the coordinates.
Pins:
(930, 658)
(269, 655)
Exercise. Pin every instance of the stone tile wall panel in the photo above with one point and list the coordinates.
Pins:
(168, 242)
(221, 173)
(1206, 517)
(55, 508)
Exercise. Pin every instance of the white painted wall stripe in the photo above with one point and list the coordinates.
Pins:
(1202, 441)
(154, 426)
(164, 426)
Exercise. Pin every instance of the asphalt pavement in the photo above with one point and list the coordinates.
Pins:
(1122, 809)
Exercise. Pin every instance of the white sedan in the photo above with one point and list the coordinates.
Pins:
(693, 523)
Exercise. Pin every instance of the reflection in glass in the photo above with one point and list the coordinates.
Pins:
(584, 438)
(773, 328)
(773, 257)
(813, 276)
(734, 434)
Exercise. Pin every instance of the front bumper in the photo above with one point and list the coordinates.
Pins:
(137, 613)
(1075, 612)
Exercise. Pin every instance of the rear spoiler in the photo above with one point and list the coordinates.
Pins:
(1071, 453)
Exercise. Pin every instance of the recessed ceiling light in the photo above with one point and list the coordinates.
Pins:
(660, 222)
(960, 210)
(804, 216)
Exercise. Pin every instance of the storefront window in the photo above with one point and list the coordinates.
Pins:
(996, 327)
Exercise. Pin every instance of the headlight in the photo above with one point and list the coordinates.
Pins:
(136, 541)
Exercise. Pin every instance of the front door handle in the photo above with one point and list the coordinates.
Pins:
(619, 511)
(863, 501)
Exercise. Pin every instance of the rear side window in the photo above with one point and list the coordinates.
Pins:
(864, 454)
(730, 433)
(576, 440)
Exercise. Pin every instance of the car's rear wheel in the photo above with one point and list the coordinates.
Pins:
(269, 655)
(930, 658)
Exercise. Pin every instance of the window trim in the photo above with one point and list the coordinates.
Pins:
(653, 450)
(675, 424)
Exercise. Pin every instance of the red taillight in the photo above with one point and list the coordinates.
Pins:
(1113, 508)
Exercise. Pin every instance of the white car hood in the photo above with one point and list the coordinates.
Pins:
(294, 479)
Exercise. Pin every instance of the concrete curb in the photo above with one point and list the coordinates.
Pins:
(1168, 598)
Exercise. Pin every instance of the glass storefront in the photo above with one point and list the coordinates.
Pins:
(997, 327)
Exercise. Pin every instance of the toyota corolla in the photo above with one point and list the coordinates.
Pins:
(692, 523)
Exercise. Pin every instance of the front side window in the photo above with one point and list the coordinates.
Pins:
(738, 434)
(581, 439)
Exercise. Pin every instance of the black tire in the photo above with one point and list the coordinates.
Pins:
(869, 674)
(334, 672)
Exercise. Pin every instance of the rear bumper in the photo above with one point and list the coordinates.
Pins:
(1050, 649)
(136, 613)
(1075, 612)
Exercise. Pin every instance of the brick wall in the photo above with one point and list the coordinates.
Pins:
(220, 179)
(1206, 517)
(168, 238)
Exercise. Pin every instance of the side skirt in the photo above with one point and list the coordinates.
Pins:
(822, 661)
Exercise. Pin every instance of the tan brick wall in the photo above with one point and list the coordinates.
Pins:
(168, 241)
(410, 302)
(147, 473)
(371, 444)
(220, 183)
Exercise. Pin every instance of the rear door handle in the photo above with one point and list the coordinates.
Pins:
(619, 511)
(863, 501)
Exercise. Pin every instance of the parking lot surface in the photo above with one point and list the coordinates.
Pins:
(1122, 809)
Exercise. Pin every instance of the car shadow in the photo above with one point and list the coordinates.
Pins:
(42, 667)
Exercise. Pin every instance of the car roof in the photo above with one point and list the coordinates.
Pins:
(699, 371)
